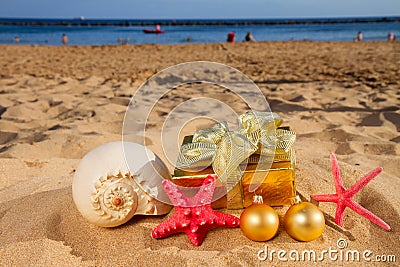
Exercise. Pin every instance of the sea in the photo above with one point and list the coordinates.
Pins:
(81, 31)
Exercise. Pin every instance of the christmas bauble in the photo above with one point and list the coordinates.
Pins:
(304, 221)
(259, 222)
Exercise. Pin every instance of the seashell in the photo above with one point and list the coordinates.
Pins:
(111, 186)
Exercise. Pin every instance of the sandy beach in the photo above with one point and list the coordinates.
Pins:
(58, 103)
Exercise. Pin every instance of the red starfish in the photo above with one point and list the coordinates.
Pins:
(343, 197)
(193, 216)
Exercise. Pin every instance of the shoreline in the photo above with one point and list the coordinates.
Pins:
(194, 43)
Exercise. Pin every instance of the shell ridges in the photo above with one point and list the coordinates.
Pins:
(117, 180)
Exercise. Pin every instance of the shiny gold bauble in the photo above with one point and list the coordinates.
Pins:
(259, 222)
(304, 221)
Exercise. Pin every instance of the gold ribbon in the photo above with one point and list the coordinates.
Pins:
(226, 150)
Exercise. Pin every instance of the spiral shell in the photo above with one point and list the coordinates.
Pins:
(111, 186)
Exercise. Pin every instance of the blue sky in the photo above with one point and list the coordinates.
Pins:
(180, 9)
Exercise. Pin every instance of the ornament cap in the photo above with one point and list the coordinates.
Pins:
(258, 199)
(295, 200)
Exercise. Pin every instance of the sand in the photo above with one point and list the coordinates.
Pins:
(58, 103)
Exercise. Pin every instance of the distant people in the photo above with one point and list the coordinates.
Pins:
(189, 39)
(126, 41)
(16, 39)
(249, 37)
(119, 40)
(64, 39)
(359, 37)
(157, 27)
(391, 37)
(231, 37)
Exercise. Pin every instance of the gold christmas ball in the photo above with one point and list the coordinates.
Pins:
(259, 222)
(304, 221)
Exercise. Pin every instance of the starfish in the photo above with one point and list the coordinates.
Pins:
(343, 197)
(193, 216)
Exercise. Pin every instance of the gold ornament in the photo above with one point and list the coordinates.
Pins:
(259, 222)
(304, 221)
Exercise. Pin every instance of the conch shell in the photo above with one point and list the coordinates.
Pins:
(111, 186)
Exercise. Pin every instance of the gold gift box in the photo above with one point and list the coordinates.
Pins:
(277, 187)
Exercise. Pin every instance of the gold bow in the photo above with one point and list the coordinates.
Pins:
(227, 150)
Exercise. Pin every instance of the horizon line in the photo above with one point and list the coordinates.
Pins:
(174, 19)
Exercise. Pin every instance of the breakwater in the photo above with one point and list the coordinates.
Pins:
(206, 22)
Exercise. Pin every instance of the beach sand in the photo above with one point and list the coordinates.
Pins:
(58, 103)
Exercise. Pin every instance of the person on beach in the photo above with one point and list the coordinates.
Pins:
(391, 37)
(359, 37)
(249, 37)
(64, 39)
(16, 39)
(126, 41)
(231, 37)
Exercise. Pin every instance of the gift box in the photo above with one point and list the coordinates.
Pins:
(247, 164)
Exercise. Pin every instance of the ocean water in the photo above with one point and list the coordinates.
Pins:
(88, 32)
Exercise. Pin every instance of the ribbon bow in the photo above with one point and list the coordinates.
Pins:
(226, 150)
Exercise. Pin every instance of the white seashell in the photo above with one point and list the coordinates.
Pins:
(111, 186)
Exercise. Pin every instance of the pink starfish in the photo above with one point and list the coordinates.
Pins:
(193, 216)
(343, 197)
